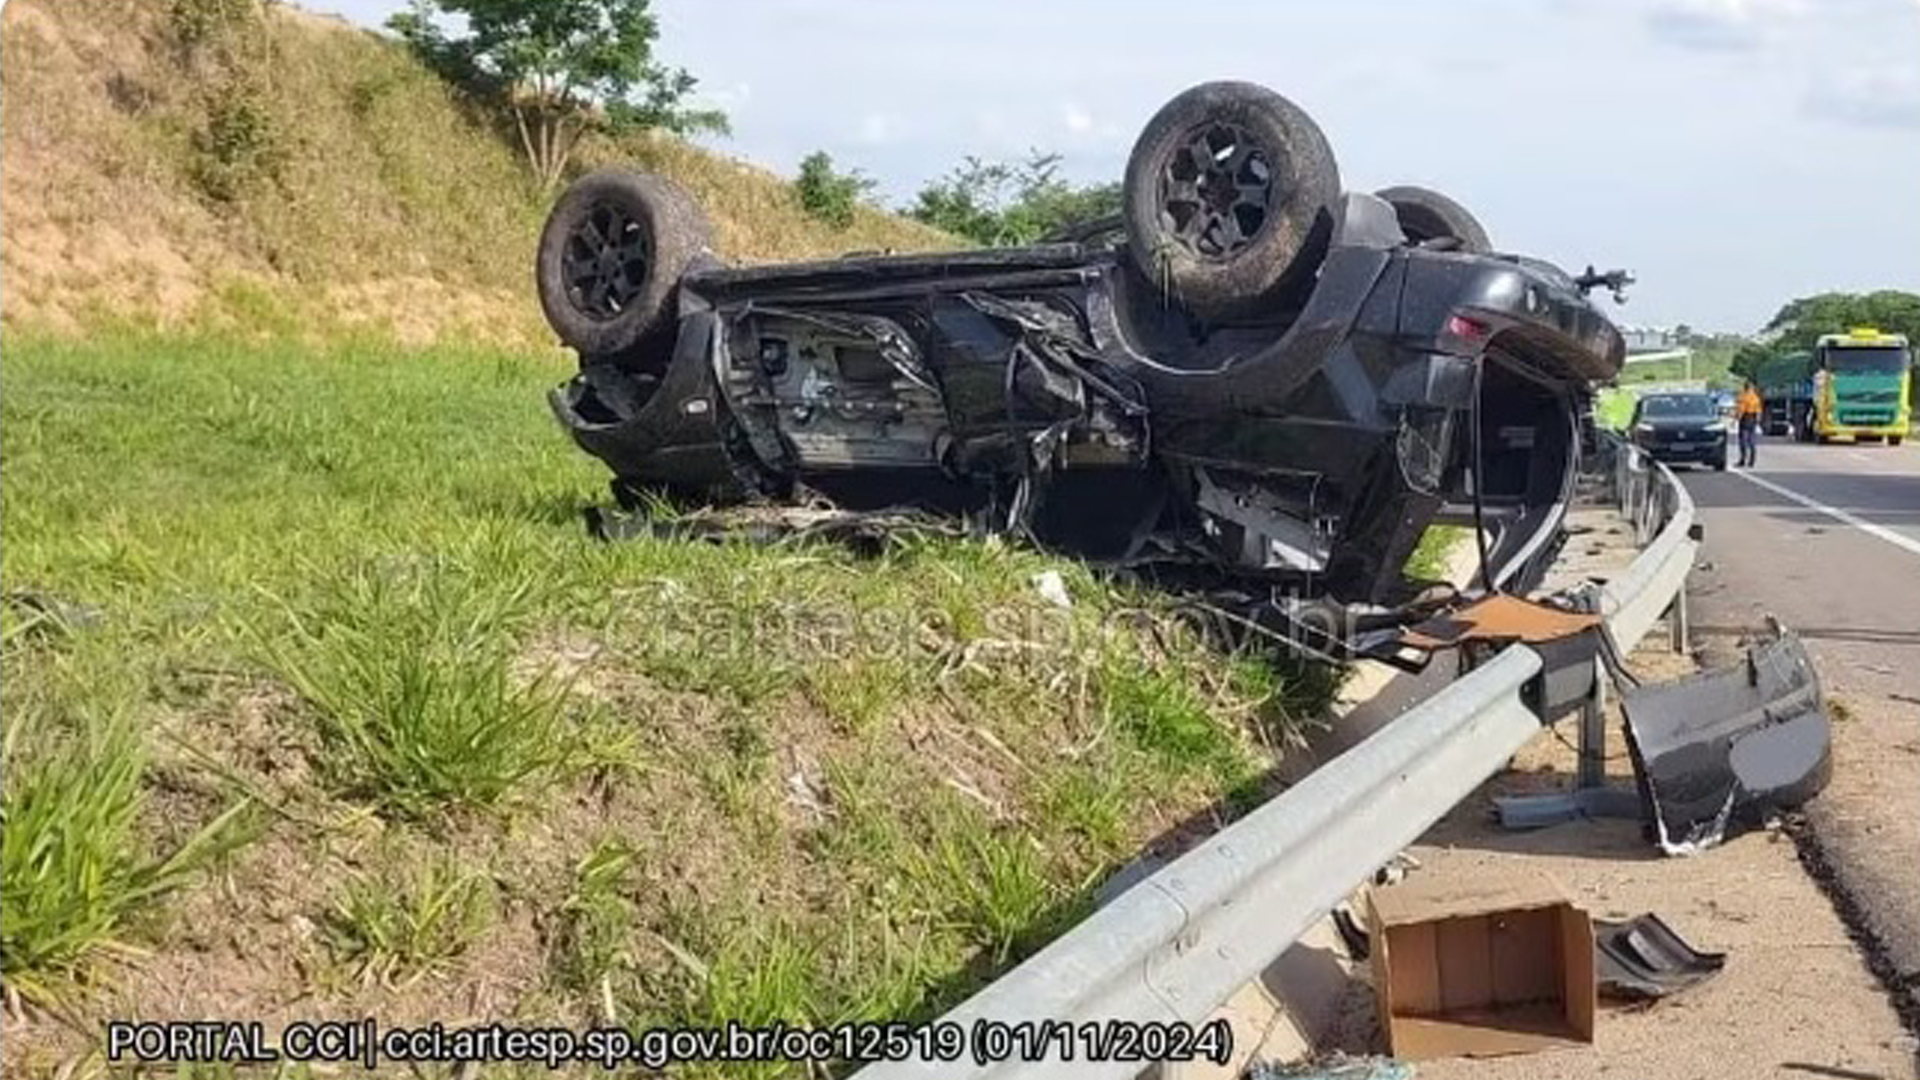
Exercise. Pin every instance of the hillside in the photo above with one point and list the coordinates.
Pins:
(318, 700)
(210, 160)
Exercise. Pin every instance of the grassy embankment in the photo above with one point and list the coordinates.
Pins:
(320, 626)
(317, 700)
(208, 162)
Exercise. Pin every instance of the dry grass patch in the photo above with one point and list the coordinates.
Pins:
(258, 163)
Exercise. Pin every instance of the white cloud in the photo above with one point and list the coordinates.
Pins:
(1882, 97)
(1719, 25)
(1077, 119)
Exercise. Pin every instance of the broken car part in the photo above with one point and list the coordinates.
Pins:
(1726, 747)
(1265, 384)
(1641, 958)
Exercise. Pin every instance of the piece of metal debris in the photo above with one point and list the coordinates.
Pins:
(1725, 747)
(1052, 588)
(1336, 1067)
(1539, 811)
(1641, 958)
(1352, 937)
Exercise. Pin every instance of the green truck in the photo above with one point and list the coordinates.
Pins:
(1855, 385)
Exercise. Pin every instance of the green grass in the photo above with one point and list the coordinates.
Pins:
(1429, 559)
(349, 582)
(590, 942)
(1614, 408)
(75, 873)
(404, 927)
(408, 672)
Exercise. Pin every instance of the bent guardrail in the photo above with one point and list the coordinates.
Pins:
(1177, 944)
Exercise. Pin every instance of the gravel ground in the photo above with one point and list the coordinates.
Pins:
(1796, 998)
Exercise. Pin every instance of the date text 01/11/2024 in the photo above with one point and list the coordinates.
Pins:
(983, 1042)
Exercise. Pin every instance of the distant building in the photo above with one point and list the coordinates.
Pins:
(1649, 339)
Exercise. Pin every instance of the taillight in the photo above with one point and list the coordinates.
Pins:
(1471, 331)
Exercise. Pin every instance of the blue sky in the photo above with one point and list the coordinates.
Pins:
(1732, 153)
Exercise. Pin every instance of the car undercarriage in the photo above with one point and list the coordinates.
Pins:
(1130, 396)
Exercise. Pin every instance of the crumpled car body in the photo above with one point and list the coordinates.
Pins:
(1054, 391)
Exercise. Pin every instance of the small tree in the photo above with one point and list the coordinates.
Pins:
(998, 203)
(562, 67)
(828, 194)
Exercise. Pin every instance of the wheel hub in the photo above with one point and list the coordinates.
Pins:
(1216, 190)
(605, 262)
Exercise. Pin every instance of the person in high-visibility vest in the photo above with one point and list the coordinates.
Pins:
(1746, 412)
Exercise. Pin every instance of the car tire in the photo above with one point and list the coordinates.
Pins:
(611, 256)
(1228, 198)
(1427, 215)
(1896, 440)
(1720, 463)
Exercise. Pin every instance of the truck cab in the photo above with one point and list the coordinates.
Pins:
(1862, 389)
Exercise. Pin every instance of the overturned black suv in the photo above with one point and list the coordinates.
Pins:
(1249, 376)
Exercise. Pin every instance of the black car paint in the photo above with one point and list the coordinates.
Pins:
(1699, 438)
(1324, 412)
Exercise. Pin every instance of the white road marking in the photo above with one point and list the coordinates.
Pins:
(1837, 514)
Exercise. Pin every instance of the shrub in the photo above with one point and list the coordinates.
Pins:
(198, 22)
(828, 194)
(242, 143)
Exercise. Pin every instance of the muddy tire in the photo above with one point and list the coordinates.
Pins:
(611, 256)
(1428, 215)
(1229, 198)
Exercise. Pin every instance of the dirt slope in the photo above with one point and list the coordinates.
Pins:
(216, 160)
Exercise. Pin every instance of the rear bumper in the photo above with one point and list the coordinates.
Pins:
(1854, 431)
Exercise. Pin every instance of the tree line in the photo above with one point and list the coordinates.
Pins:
(1799, 323)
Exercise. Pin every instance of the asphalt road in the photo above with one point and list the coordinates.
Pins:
(1827, 538)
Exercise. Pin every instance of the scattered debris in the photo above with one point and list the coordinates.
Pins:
(1499, 620)
(1538, 811)
(1338, 1066)
(1396, 869)
(803, 793)
(1470, 967)
(1641, 958)
(1052, 588)
(1725, 747)
(1352, 937)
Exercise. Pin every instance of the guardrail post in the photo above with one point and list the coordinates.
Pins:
(1677, 620)
(1591, 770)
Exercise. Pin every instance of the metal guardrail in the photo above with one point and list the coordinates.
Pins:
(1662, 515)
(1177, 944)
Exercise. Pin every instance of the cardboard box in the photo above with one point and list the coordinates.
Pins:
(1479, 968)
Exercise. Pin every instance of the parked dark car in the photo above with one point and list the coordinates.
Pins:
(1681, 427)
(1250, 376)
